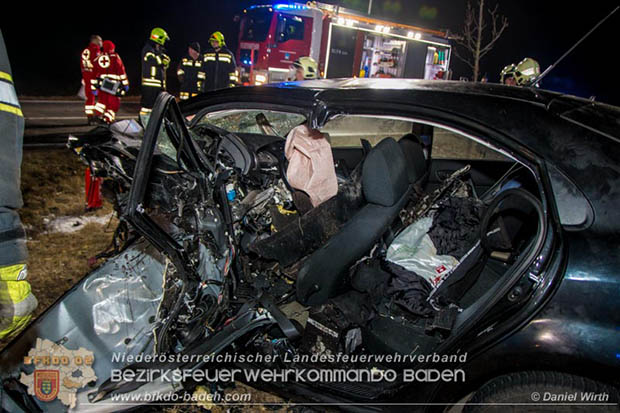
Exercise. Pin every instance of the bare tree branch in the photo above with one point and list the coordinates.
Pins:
(474, 38)
(464, 60)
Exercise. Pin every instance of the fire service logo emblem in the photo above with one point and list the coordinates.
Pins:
(46, 384)
(58, 372)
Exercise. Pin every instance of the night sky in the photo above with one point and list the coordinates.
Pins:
(44, 41)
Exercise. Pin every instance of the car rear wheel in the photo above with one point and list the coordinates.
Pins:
(543, 391)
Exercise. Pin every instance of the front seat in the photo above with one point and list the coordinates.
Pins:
(386, 188)
(418, 166)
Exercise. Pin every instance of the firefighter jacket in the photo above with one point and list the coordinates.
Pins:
(16, 299)
(220, 69)
(88, 58)
(110, 66)
(154, 65)
(191, 76)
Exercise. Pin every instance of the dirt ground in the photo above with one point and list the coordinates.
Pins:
(53, 192)
(53, 187)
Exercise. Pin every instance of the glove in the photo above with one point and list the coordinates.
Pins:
(95, 92)
(165, 60)
(123, 91)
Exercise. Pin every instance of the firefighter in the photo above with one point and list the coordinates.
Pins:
(111, 81)
(219, 65)
(507, 75)
(190, 72)
(526, 72)
(154, 65)
(87, 60)
(305, 68)
(523, 73)
(16, 299)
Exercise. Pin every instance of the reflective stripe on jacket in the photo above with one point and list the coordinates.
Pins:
(191, 75)
(154, 65)
(220, 69)
(16, 299)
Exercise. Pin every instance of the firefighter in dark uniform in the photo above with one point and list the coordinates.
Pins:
(154, 65)
(219, 65)
(16, 299)
(190, 72)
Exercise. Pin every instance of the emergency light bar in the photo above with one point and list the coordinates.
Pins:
(280, 6)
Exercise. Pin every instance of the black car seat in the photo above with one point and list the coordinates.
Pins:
(510, 225)
(418, 167)
(418, 171)
(386, 189)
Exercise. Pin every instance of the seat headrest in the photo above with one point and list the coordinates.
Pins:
(384, 174)
(414, 155)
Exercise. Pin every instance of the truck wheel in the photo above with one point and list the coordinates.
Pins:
(545, 391)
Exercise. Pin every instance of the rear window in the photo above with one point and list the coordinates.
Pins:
(450, 145)
(347, 131)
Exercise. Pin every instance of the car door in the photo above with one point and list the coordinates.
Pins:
(167, 137)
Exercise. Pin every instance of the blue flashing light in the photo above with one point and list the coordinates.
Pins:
(618, 355)
(262, 6)
(281, 6)
(290, 6)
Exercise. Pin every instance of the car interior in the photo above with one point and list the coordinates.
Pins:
(415, 240)
(334, 256)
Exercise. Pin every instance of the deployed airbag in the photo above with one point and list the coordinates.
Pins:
(311, 164)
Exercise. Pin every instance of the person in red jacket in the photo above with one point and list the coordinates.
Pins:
(111, 83)
(87, 60)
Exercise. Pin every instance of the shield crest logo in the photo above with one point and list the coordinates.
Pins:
(46, 384)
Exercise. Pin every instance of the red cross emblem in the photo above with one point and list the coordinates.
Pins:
(104, 61)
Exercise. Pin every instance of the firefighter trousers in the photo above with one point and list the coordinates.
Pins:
(149, 95)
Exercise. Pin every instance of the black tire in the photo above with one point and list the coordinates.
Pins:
(515, 392)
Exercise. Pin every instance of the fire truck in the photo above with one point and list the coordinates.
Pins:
(345, 43)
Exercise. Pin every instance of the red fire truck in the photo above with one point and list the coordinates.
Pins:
(343, 42)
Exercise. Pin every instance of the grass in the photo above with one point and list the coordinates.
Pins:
(53, 186)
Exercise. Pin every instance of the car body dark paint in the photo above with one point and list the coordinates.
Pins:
(574, 326)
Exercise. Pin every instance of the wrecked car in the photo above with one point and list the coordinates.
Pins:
(474, 228)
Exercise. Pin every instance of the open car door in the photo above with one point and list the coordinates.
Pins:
(177, 202)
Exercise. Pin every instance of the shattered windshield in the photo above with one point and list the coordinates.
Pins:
(244, 120)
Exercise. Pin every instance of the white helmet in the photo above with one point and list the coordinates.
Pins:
(308, 66)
